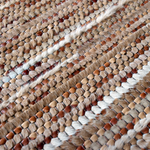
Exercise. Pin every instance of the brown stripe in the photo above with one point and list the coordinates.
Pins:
(128, 28)
(103, 121)
(34, 22)
(45, 101)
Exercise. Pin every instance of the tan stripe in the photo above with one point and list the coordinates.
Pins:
(45, 101)
(119, 105)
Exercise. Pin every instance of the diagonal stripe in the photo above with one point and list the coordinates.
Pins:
(33, 84)
(109, 12)
(19, 70)
(84, 73)
(82, 120)
(139, 126)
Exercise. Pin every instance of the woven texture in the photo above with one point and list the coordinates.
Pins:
(74, 75)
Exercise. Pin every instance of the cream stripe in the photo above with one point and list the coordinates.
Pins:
(82, 120)
(19, 70)
(8, 4)
(33, 84)
(110, 11)
(140, 125)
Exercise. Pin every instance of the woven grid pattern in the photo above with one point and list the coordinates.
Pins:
(74, 74)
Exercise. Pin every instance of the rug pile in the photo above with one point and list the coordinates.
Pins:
(74, 75)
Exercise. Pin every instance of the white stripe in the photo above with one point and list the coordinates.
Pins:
(139, 126)
(33, 84)
(82, 120)
(68, 38)
(52, 49)
(109, 99)
(8, 3)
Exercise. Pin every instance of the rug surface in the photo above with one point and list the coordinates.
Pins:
(74, 74)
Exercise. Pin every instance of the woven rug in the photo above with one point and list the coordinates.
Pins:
(74, 75)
